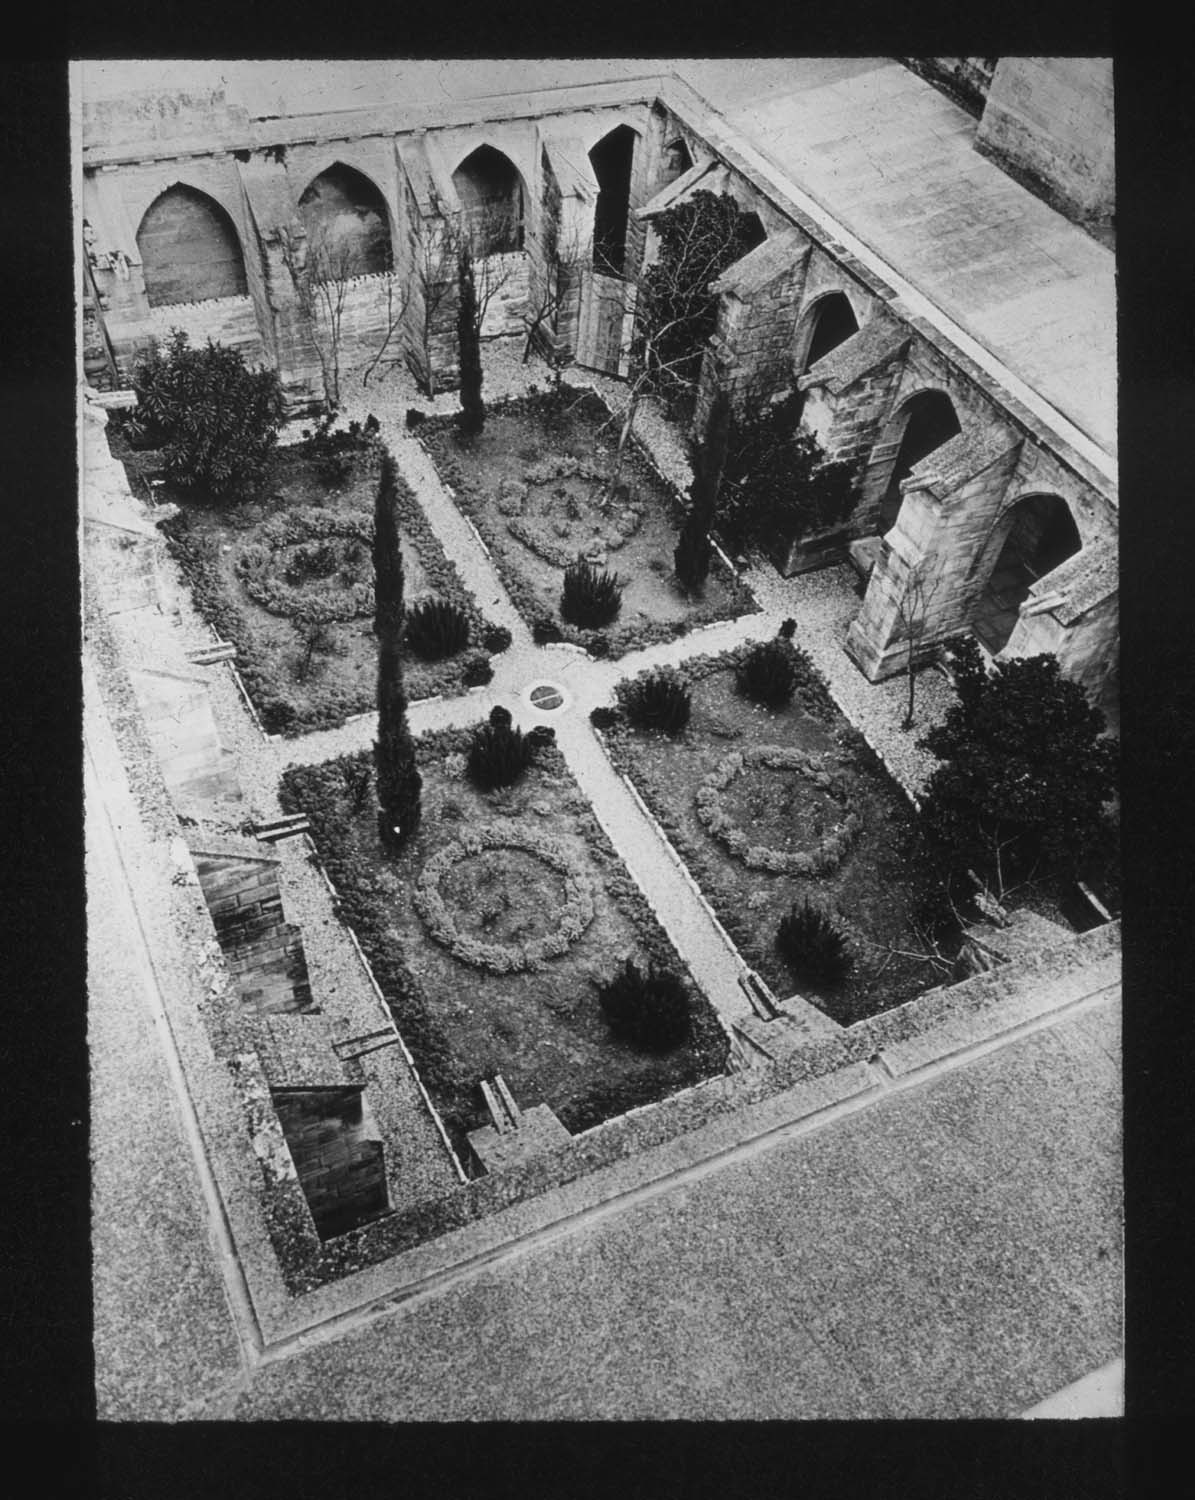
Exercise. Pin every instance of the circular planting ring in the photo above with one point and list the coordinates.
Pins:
(819, 858)
(610, 529)
(262, 565)
(504, 958)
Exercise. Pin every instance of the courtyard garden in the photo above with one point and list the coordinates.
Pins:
(794, 831)
(583, 560)
(506, 934)
(286, 573)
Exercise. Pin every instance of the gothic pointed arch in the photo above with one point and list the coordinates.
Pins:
(189, 248)
(1035, 535)
(611, 159)
(344, 214)
(490, 189)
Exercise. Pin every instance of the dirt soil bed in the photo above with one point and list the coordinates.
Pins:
(876, 892)
(532, 483)
(208, 541)
(542, 1028)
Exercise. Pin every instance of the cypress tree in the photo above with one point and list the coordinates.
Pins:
(398, 779)
(472, 417)
(693, 549)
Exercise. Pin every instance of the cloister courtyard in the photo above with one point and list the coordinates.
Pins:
(407, 1159)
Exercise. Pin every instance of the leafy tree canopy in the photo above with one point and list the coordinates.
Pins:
(777, 481)
(1026, 767)
(217, 419)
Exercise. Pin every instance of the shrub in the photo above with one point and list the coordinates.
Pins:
(335, 454)
(499, 753)
(788, 628)
(648, 1007)
(1026, 768)
(813, 946)
(767, 673)
(598, 646)
(658, 700)
(218, 419)
(477, 670)
(778, 483)
(591, 597)
(437, 628)
(541, 737)
(544, 631)
(496, 638)
(604, 717)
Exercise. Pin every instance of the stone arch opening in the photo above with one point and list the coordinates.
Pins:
(925, 422)
(345, 217)
(490, 189)
(611, 160)
(832, 322)
(189, 248)
(1036, 535)
(829, 322)
(677, 157)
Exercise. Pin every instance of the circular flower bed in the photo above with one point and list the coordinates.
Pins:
(311, 559)
(554, 536)
(818, 858)
(504, 958)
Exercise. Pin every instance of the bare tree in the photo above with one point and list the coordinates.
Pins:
(912, 612)
(550, 295)
(673, 309)
(321, 265)
(463, 242)
(396, 306)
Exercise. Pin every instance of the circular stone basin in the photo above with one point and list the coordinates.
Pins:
(504, 898)
(546, 697)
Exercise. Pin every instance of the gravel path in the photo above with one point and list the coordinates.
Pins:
(823, 604)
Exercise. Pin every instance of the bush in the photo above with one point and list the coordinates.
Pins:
(648, 1007)
(768, 673)
(778, 484)
(545, 631)
(437, 628)
(499, 753)
(658, 700)
(1026, 768)
(591, 597)
(335, 454)
(496, 638)
(598, 646)
(477, 671)
(813, 946)
(218, 419)
(604, 717)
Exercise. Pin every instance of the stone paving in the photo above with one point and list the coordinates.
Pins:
(826, 1360)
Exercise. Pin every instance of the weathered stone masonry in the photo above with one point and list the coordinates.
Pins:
(956, 506)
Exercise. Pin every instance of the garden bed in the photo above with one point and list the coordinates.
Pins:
(254, 567)
(488, 931)
(768, 807)
(532, 482)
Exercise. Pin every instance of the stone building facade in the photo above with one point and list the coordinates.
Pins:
(197, 213)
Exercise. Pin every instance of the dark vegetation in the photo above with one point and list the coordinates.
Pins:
(214, 418)
(814, 947)
(591, 597)
(649, 1007)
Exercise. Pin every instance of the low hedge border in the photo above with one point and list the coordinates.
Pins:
(321, 792)
(626, 748)
(433, 436)
(822, 858)
(259, 566)
(504, 958)
(284, 708)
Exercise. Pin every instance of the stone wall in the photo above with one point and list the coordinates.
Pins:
(1048, 122)
(336, 1154)
(264, 952)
